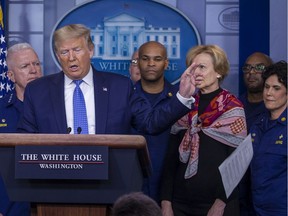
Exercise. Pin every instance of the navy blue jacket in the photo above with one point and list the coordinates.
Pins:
(157, 143)
(10, 110)
(269, 165)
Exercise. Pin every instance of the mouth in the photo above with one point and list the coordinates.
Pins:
(252, 80)
(151, 72)
(73, 68)
(198, 81)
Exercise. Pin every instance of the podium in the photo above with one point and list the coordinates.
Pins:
(128, 163)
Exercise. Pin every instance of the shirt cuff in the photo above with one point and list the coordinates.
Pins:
(186, 101)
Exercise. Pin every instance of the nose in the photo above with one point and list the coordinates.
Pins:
(197, 71)
(71, 55)
(33, 66)
(151, 62)
(252, 70)
(269, 91)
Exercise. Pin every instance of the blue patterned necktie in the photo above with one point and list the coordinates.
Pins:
(79, 110)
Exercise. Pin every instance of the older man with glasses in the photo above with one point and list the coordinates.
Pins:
(252, 100)
(134, 68)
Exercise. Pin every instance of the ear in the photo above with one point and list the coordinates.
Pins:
(166, 63)
(10, 74)
(91, 51)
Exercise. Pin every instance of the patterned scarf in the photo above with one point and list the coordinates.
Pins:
(223, 120)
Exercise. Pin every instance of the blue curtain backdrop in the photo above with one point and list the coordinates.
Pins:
(254, 32)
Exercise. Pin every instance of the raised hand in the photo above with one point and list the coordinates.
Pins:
(187, 82)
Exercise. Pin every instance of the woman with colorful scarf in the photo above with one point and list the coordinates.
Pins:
(192, 184)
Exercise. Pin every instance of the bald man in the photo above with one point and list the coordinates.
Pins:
(252, 100)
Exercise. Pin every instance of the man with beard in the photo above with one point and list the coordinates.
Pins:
(253, 103)
(252, 100)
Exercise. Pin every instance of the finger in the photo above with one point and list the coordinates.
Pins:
(190, 70)
(187, 72)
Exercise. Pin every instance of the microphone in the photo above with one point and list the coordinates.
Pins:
(69, 129)
(79, 130)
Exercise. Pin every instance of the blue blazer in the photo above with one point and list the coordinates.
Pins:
(44, 105)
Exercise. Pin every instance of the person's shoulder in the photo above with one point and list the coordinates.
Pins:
(230, 94)
(232, 98)
(243, 98)
(45, 80)
(8, 98)
(111, 75)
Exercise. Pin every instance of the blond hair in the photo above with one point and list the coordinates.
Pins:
(219, 58)
(70, 32)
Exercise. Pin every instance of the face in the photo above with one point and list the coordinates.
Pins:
(74, 56)
(134, 68)
(152, 63)
(275, 96)
(205, 76)
(253, 73)
(25, 68)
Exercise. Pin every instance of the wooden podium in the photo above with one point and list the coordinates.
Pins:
(128, 163)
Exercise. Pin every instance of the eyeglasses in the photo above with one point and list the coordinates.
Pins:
(258, 68)
(134, 61)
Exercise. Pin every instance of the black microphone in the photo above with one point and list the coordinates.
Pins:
(69, 129)
(79, 130)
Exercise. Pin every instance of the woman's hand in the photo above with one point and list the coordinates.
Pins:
(187, 82)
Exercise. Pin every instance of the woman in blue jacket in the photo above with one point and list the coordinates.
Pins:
(269, 138)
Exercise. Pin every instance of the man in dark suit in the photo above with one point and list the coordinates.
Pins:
(48, 104)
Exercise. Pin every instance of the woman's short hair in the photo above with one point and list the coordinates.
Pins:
(279, 69)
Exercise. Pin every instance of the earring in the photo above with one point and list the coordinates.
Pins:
(218, 76)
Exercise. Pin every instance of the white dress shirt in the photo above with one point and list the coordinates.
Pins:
(87, 87)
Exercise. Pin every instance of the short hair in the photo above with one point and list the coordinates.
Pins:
(219, 58)
(140, 50)
(16, 48)
(70, 32)
(135, 204)
(279, 69)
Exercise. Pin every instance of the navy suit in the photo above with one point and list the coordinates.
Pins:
(44, 105)
(117, 107)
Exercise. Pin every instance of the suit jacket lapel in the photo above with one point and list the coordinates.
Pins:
(58, 104)
(101, 94)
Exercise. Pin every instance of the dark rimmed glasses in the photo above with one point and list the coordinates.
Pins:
(257, 68)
